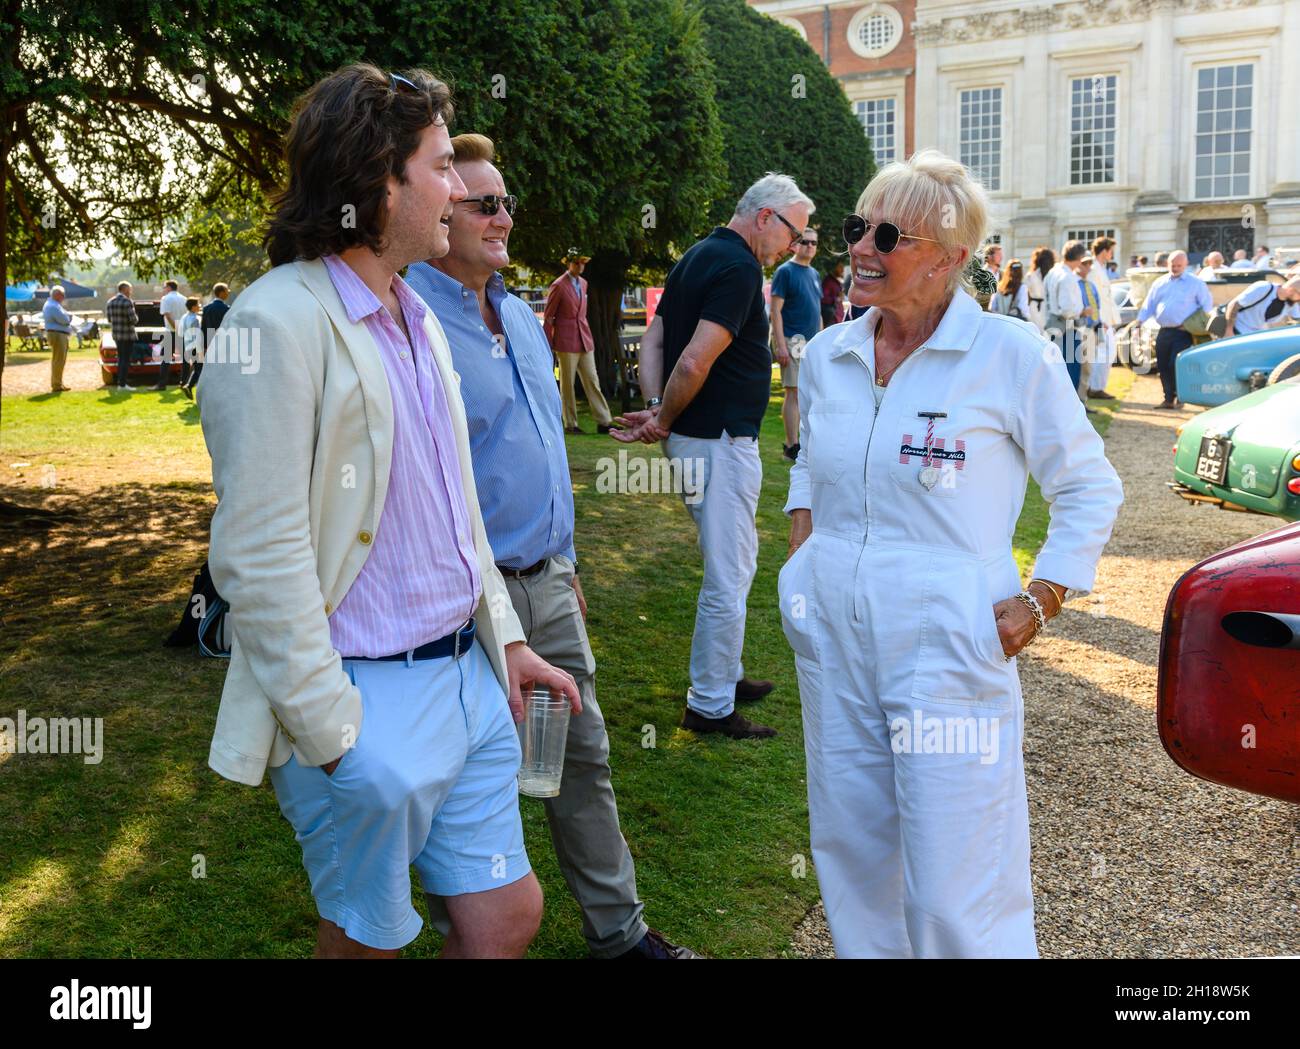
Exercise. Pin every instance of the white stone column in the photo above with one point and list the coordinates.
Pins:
(925, 105)
(1286, 154)
(1154, 219)
(1163, 107)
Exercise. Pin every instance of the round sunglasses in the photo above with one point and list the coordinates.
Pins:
(885, 235)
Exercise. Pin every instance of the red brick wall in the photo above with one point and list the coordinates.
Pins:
(846, 61)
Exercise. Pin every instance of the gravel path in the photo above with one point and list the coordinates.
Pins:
(1132, 857)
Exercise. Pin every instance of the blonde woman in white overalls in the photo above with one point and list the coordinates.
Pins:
(922, 421)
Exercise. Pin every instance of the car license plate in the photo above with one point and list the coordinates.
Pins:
(1212, 462)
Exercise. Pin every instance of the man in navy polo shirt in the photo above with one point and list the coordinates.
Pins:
(710, 336)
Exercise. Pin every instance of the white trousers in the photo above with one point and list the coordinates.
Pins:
(723, 509)
(1101, 366)
(917, 805)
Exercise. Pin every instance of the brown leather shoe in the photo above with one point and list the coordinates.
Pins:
(748, 691)
(732, 725)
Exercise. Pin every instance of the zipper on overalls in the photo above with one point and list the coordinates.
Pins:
(866, 465)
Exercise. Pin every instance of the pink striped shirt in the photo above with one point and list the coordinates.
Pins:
(421, 580)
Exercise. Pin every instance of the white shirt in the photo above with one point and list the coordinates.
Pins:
(1109, 311)
(172, 307)
(1010, 413)
(1255, 303)
(1064, 299)
(1242, 264)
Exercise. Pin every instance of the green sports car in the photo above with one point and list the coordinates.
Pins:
(1244, 455)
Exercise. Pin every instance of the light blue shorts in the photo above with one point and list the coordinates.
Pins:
(431, 781)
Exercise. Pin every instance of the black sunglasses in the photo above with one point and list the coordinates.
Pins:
(885, 235)
(396, 78)
(805, 242)
(489, 203)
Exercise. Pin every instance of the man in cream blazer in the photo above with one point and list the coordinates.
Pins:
(337, 432)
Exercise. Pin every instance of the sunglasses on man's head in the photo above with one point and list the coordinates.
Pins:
(396, 78)
(489, 203)
(885, 235)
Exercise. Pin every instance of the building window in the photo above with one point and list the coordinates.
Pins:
(1224, 96)
(1089, 235)
(877, 116)
(981, 134)
(1092, 130)
(875, 30)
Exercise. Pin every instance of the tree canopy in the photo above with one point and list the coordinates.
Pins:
(781, 110)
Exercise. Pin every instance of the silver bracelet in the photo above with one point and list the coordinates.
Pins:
(1040, 619)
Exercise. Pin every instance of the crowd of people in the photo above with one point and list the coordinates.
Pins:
(395, 535)
(188, 328)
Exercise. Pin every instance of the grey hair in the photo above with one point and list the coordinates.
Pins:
(59, 288)
(775, 191)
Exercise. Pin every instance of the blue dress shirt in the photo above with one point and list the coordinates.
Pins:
(1172, 300)
(512, 405)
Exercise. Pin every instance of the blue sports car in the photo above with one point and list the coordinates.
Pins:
(1217, 372)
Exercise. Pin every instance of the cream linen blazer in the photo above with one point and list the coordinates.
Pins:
(301, 438)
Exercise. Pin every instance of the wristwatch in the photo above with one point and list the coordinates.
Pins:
(654, 402)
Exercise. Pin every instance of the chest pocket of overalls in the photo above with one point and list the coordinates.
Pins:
(948, 455)
(832, 439)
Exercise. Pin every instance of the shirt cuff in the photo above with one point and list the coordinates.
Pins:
(1070, 572)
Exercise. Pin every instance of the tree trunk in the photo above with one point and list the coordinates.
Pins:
(604, 311)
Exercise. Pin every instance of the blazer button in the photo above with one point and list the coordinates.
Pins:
(365, 538)
(328, 608)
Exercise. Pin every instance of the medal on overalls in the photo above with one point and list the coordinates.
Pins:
(929, 475)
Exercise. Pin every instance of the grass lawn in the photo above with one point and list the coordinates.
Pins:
(100, 860)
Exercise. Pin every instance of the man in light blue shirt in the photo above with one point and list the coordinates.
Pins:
(521, 471)
(58, 329)
(1172, 299)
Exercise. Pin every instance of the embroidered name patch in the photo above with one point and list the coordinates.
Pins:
(955, 455)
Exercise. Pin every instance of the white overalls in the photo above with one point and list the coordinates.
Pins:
(912, 719)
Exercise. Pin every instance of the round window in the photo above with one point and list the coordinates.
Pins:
(875, 30)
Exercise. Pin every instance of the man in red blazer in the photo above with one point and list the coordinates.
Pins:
(567, 330)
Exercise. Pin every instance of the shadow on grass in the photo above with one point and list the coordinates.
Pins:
(98, 859)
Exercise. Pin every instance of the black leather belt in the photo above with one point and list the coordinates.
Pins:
(455, 644)
(520, 573)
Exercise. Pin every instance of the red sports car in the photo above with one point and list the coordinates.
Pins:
(1228, 702)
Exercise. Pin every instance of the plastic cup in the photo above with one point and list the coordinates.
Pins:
(542, 736)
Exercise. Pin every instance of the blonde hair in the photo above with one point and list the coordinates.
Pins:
(931, 195)
(470, 147)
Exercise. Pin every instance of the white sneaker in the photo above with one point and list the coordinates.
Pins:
(126, 386)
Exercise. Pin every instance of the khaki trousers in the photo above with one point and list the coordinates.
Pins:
(589, 845)
(58, 341)
(583, 364)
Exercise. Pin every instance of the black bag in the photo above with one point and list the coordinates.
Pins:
(203, 623)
